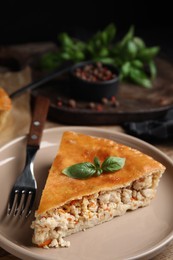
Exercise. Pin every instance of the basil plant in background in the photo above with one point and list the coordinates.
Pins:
(130, 55)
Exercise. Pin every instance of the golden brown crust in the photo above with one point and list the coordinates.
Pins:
(5, 106)
(5, 101)
(77, 148)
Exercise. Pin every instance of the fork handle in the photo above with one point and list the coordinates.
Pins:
(38, 119)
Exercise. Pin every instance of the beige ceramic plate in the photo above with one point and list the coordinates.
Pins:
(138, 234)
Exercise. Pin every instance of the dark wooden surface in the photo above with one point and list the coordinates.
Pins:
(135, 103)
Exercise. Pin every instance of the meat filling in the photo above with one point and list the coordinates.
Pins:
(51, 227)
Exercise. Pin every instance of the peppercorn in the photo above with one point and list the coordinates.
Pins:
(114, 101)
(99, 108)
(72, 103)
(91, 105)
(105, 101)
(59, 103)
(94, 73)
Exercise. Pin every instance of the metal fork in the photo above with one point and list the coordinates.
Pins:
(23, 193)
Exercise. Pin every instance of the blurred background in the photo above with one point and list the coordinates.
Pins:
(34, 22)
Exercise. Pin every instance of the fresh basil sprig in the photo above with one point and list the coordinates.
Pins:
(86, 170)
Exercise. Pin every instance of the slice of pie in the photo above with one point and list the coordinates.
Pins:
(70, 205)
(5, 106)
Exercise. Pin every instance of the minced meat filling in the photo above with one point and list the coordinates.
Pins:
(77, 215)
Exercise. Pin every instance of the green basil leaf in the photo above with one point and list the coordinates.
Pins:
(98, 172)
(110, 32)
(152, 69)
(139, 77)
(144, 82)
(78, 56)
(106, 60)
(65, 39)
(131, 49)
(80, 45)
(147, 54)
(138, 64)
(104, 38)
(112, 164)
(65, 56)
(104, 52)
(80, 170)
(139, 43)
(128, 36)
(97, 162)
(125, 69)
(98, 43)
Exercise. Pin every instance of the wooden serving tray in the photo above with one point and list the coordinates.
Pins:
(136, 103)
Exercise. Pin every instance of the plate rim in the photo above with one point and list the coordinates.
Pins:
(20, 251)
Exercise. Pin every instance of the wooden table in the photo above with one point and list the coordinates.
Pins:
(18, 124)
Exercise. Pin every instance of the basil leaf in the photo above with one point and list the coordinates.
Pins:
(139, 43)
(129, 36)
(98, 172)
(97, 162)
(112, 164)
(110, 32)
(131, 49)
(106, 60)
(104, 52)
(97, 165)
(139, 77)
(153, 69)
(147, 54)
(65, 39)
(137, 64)
(125, 69)
(80, 170)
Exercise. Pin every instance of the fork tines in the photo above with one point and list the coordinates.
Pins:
(21, 201)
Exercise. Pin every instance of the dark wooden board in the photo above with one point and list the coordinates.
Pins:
(135, 103)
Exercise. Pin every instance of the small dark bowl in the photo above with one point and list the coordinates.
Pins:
(93, 91)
